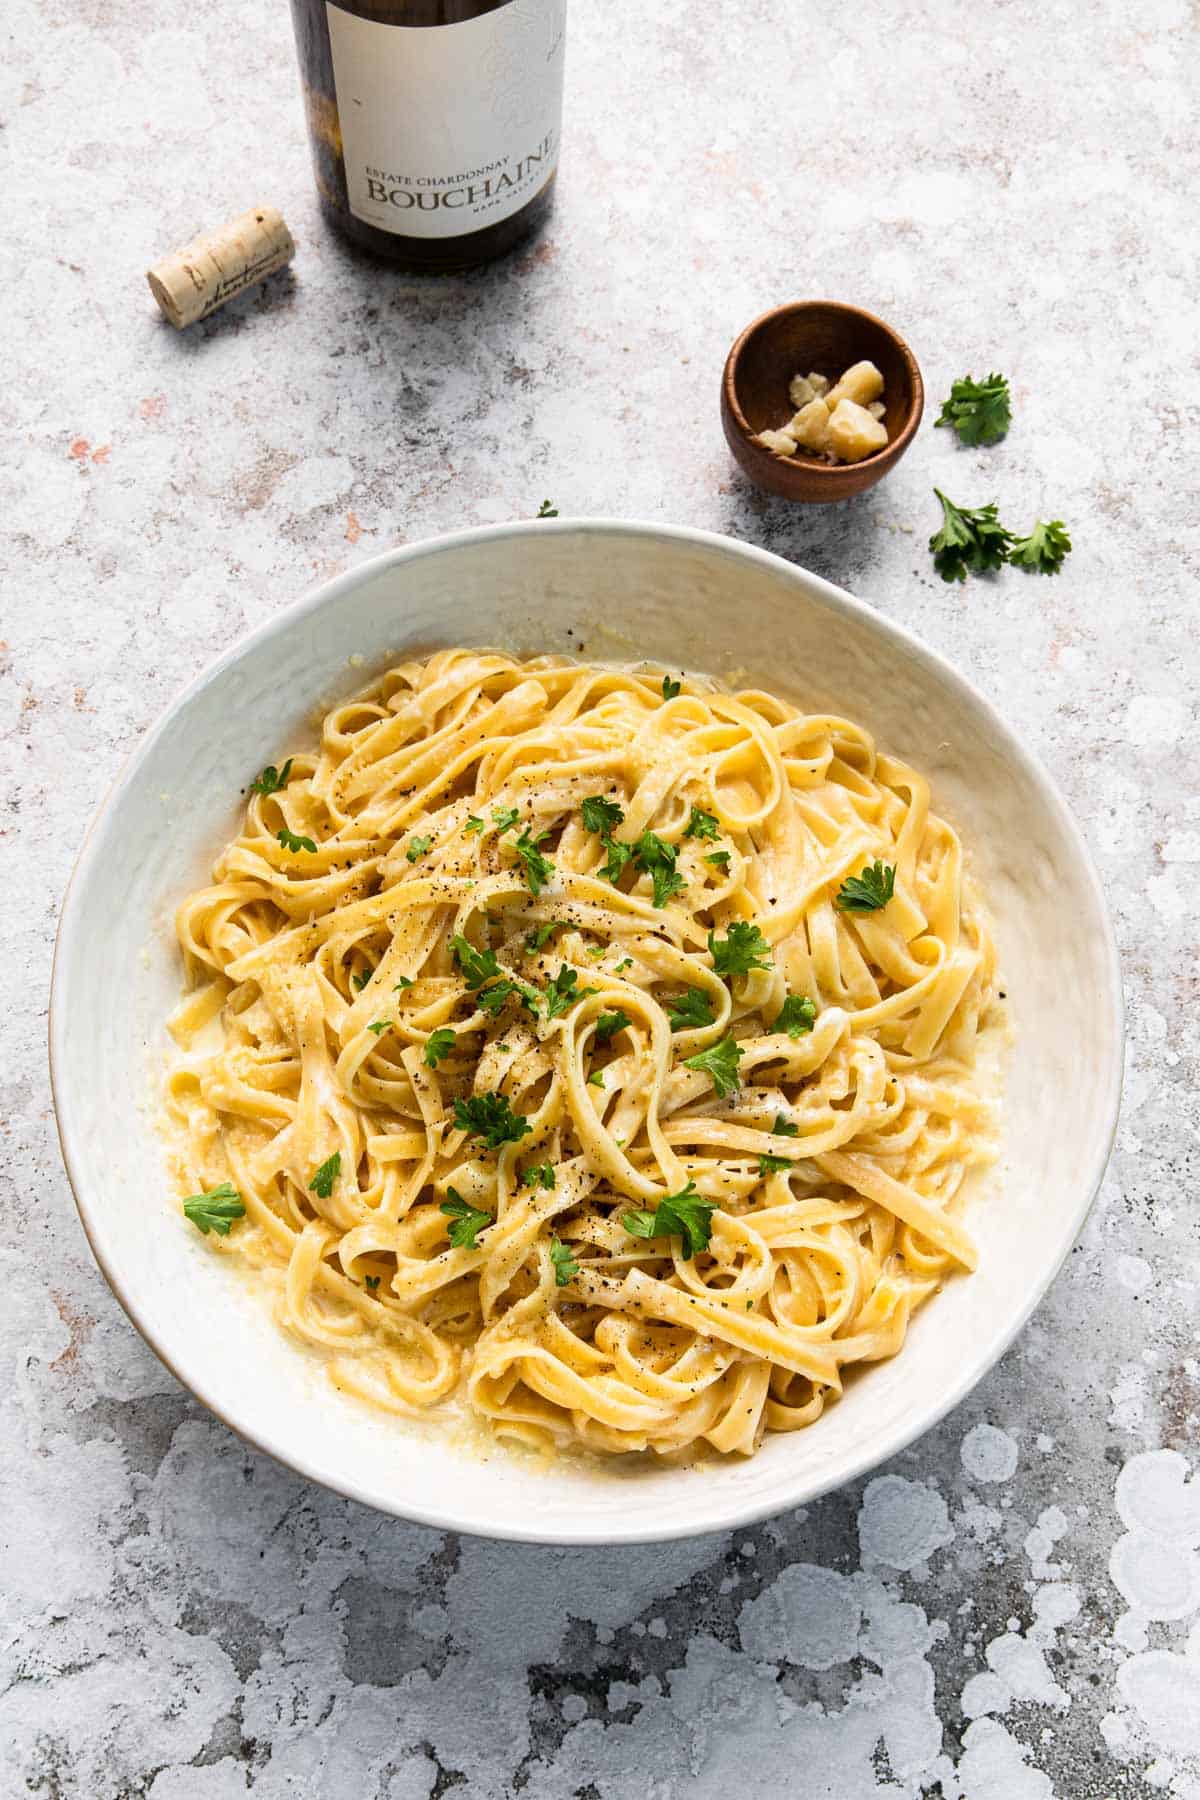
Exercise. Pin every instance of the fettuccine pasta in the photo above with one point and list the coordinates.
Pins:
(594, 1046)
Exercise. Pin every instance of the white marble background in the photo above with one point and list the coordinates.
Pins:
(1012, 1610)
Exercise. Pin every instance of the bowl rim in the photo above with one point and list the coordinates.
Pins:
(627, 1527)
(880, 461)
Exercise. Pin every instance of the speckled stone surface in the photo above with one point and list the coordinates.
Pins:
(1012, 1610)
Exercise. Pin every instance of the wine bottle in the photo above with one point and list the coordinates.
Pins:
(435, 124)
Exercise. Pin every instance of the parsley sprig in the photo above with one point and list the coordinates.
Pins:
(541, 934)
(796, 1016)
(869, 890)
(685, 1215)
(619, 856)
(971, 539)
(495, 998)
(503, 819)
(609, 1023)
(538, 1175)
(417, 846)
(720, 1064)
(565, 1266)
(272, 779)
(563, 991)
(438, 1045)
(1044, 550)
(216, 1209)
(689, 1010)
(601, 815)
(324, 1177)
(491, 1120)
(475, 966)
(291, 842)
(702, 825)
(656, 858)
(538, 868)
(466, 1221)
(979, 411)
(743, 949)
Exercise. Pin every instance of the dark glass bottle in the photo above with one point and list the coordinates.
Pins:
(435, 124)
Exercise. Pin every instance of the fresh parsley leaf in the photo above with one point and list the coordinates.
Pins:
(438, 1045)
(564, 991)
(216, 1209)
(538, 1175)
(378, 1025)
(466, 1222)
(359, 982)
(869, 890)
(719, 860)
(656, 858)
(546, 511)
(565, 1266)
(783, 1127)
(980, 411)
(666, 883)
(689, 1010)
(768, 1165)
(417, 847)
(490, 1119)
(475, 825)
(596, 1078)
(684, 1215)
(324, 1177)
(745, 948)
(971, 539)
(619, 855)
(271, 779)
(504, 818)
(291, 842)
(702, 825)
(476, 966)
(541, 934)
(1045, 549)
(403, 983)
(670, 688)
(601, 815)
(538, 868)
(372, 1282)
(796, 1016)
(493, 999)
(720, 1064)
(608, 1024)
(626, 962)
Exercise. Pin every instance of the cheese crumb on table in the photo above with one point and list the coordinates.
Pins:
(838, 422)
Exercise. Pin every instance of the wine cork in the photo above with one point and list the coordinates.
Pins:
(213, 268)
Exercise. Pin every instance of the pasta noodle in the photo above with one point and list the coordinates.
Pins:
(633, 1123)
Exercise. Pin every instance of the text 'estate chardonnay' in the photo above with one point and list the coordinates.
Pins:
(435, 123)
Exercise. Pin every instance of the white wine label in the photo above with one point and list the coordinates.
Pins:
(448, 128)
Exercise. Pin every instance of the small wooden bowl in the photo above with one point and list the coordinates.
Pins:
(825, 336)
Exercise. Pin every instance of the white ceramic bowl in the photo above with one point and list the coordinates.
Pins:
(617, 592)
